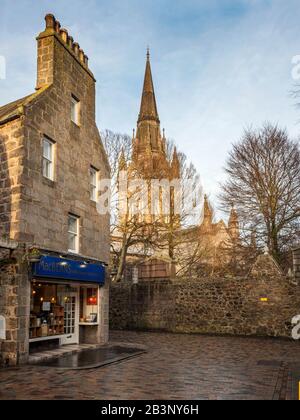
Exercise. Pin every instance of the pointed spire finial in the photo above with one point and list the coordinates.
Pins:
(133, 134)
(148, 110)
(207, 213)
(148, 53)
(122, 160)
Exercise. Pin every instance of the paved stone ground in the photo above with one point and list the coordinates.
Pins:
(176, 367)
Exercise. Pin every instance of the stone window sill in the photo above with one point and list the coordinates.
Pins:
(48, 182)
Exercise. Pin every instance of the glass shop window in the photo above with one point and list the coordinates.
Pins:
(89, 305)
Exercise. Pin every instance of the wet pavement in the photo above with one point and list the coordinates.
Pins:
(175, 367)
(89, 359)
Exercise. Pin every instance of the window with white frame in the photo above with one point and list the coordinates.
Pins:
(73, 233)
(48, 158)
(75, 110)
(94, 179)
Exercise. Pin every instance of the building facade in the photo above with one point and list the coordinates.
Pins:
(54, 285)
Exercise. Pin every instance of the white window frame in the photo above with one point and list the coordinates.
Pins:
(75, 110)
(48, 160)
(94, 183)
(75, 234)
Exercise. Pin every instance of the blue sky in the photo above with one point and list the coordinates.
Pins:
(218, 65)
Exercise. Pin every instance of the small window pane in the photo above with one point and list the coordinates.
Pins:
(48, 153)
(47, 149)
(47, 168)
(72, 242)
(72, 224)
(75, 110)
(94, 183)
(73, 233)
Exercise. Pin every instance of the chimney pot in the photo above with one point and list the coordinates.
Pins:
(81, 55)
(50, 21)
(70, 42)
(57, 27)
(64, 35)
(76, 48)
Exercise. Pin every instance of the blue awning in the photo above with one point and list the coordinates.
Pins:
(65, 269)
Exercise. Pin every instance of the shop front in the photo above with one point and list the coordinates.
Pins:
(65, 301)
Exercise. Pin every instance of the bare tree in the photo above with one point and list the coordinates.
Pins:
(128, 230)
(142, 235)
(264, 184)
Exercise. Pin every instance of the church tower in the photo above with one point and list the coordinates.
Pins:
(149, 152)
(149, 156)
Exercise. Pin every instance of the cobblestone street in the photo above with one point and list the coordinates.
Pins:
(175, 367)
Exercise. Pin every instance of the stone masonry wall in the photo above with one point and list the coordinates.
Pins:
(12, 160)
(210, 306)
(46, 204)
(14, 306)
(33, 209)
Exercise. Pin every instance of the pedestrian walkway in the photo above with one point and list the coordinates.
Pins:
(174, 367)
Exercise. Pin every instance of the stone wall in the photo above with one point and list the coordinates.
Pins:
(14, 306)
(257, 305)
(11, 167)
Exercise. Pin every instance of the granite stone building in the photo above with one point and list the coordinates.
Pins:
(54, 245)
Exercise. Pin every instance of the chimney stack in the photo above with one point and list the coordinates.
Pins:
(46, 60)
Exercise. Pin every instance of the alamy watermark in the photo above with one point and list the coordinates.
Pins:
(296, 329)
(2, 67)
(147, 196)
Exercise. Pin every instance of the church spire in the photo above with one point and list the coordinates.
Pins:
(122, 161)
(233, 224)
(175, 165)
(148, 109)
(207, 214)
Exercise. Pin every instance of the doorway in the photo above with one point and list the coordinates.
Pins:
(70, 302)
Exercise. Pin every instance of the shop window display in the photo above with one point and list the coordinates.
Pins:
(89, 305)
(53, 312)
(47, 312)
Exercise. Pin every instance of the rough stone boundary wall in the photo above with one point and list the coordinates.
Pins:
(14, 306)
(210, 306)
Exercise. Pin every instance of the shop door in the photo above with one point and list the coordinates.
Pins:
(71, 327)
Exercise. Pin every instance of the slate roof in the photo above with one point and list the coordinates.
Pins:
(15, 109)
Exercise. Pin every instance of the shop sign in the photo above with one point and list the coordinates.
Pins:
(2, 328)
(64, 269)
